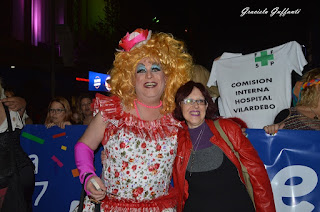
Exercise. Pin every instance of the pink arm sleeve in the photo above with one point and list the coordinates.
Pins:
(84, 160)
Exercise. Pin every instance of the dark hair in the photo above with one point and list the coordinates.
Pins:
(185, 91)
(79, 99)
(78, 103)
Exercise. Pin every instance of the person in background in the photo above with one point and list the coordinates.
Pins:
(59, 113)
(84, 109)
(136, 127)
(76, 117)
(200, 74)
(305, 115)
(9, 92)
(215, 181)
(15, 190)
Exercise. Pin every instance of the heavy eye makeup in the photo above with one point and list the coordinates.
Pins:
(142, 69)
(155, 67)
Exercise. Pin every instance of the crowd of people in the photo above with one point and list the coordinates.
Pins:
(146, 144)
(159, 125)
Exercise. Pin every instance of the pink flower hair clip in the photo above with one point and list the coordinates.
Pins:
(134, 39)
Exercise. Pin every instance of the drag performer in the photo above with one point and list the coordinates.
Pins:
(136, 127)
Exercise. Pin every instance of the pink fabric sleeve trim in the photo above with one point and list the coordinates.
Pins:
(84, 160)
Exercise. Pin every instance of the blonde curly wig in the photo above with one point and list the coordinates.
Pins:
(162, 48)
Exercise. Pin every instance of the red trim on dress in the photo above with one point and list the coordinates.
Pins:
(156, 205)
(117, 119)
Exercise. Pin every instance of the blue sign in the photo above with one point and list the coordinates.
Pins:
(57, 186)
(291, 157)
(292, 160)
(98, 81)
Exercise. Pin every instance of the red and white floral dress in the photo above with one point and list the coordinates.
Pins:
(140, 154)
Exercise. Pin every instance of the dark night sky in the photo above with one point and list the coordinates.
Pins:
(215, 27)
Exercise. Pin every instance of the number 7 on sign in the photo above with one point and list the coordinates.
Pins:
(45, 186)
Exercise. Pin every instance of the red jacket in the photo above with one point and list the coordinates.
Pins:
(263, 196)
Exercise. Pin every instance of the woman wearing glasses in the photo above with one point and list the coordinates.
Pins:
(214, 177)
(59, 113)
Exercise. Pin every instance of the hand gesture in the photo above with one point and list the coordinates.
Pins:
(272, 129)
(62, 125)
(15, 103)
(95, 188)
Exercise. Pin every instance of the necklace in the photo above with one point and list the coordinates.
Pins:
(193, 150)
(147, 106)
(315, 115)
(135, 107)
(152, 107)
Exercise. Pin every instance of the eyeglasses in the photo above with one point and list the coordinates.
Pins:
(192, 101)
(57, 111)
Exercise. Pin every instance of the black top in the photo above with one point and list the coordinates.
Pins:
(217, 190)
(12, 141)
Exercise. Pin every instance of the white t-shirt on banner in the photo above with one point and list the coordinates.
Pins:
(225, 55)
(256, 87)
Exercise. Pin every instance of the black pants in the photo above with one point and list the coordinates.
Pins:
(27, 180)
(21, 188)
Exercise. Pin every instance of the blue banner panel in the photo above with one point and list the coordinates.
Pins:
(292, 160)
(57, 186)
(291, 157)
